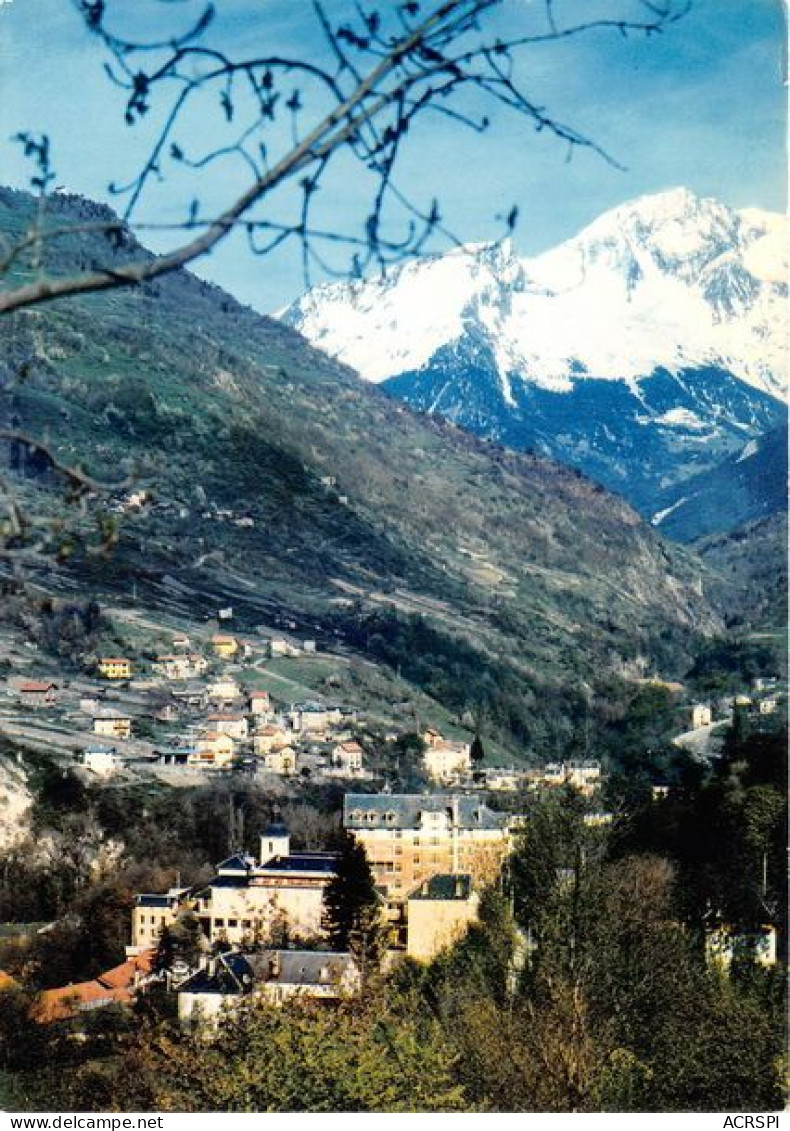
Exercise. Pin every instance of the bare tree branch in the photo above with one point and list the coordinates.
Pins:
(75, 475)
(416, 62)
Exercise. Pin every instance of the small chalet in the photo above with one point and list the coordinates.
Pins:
(225, 647)
(347, 757)
(115, 668)
(260, 704)
(113, 726)
(34, 694)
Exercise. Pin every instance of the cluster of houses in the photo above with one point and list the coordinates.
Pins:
(192, 708)
(229, 726)
(259, 927)
(200, 717)
(763, 700)
(197, 713)
(430, 855)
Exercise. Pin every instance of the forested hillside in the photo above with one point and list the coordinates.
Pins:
(278, 480)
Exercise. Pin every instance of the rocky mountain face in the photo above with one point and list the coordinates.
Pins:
(284, 485)
(749, 566)
(642, 351)
(744, 488)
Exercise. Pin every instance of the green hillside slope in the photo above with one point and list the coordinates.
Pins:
(284, 484)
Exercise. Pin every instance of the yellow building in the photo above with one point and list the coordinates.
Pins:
(152, 912)
(215, 748)
(113, 726)
(438, 914)
(246, 899)
(280, 761)
(115, 668)
(225, 647)
(410, 837)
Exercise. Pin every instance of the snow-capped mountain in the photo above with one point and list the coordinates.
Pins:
(642, 350)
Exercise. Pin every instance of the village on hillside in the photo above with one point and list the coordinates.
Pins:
(213, 704)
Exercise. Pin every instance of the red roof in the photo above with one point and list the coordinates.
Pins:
(114, 986)
(33, 686)
(124, 975)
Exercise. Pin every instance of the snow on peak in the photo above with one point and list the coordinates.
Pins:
(672, 280)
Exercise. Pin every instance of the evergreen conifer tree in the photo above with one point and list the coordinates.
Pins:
(350, 897)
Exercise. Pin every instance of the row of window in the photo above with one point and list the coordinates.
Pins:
(372, 817)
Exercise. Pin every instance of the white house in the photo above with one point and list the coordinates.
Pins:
(273, 976)
(347, 757)
(100, 760)
(701, 715)
(444, 759)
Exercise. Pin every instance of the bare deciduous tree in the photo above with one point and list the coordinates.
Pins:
(292, 123)
(290, 119)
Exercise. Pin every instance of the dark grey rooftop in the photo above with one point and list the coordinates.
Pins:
(238, 863)
(403, 811)
(152, 900)
(276, 828)
(236, 973)
(301, 967)
(301, 862)
(230, 973)
(444, 886)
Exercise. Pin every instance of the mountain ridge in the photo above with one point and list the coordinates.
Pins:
(283, 482)
(643, 350)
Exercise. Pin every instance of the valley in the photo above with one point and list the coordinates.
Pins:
(295, 487)
(316, 709)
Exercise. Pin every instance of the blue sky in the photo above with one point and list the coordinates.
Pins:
(701, 106)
